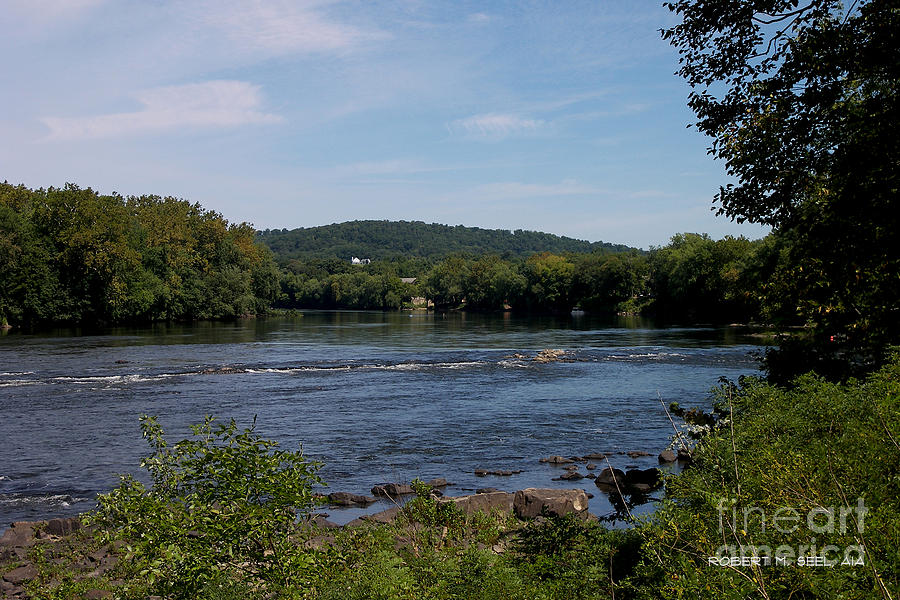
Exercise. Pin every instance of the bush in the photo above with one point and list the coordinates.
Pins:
(817, 448)
(219, 514)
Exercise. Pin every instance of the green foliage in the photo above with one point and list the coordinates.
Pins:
(381, 240)
(801, 101)
(221, 509)
(427, 510)
(71, 255)
(567, 553)
(700, 278)
(817, 448)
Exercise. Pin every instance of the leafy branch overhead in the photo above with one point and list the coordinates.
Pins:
(801, 102)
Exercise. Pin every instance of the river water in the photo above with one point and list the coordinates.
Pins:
(377, 397)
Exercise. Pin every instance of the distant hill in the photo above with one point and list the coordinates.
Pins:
(388, 239)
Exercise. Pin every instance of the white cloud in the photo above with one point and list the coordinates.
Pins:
(207, 104)
(282, 27)
(493, 126)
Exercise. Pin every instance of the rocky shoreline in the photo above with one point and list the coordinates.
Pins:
(66, 539)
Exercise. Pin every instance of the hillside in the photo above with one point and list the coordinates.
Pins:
(385, 239)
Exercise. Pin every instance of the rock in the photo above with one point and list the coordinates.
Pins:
(323, 523)
(549, 355)
(486, 490)
(571, 476)
(591, 476)
(595, 456)
(638, 453)
(667, 456)
(610, 476)
(650, 477)
(20, 533)
(385, 516)
(63, 526)
(531, 502)
(392, 490)
(98, 555)
(590, 466)
(319, 541)
(635, 481)
(21, 575)
(571, 468)
(482, 502)
(122, 361)
(437, 482)
(557, 460)
(684, 455)
(348, 499)
(484, 472)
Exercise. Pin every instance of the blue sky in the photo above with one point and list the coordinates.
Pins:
(562, 117)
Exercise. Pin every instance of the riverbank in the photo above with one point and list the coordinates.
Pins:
(69, 558)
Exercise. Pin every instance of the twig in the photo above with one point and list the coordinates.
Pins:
(674, 428)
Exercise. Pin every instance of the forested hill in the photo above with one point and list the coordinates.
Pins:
(385, 239)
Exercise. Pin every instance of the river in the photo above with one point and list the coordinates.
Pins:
(377, 397)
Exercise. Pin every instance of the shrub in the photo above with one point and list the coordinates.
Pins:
(219, 513)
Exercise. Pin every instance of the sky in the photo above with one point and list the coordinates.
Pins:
(564, 117)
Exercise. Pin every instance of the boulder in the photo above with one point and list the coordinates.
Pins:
(532, 502)
(21, 575)
(486, 490)
(323, 523)
(638, 453)
(667, 456)
(595, 456)
(63, 526)
(383, 517)
(437, 482)
(20, 534)
(483, 502)
(610, 476)
(684, 455)
(392, 490)
(590, 466)
(570, 476)
(644, 477)
(348, 499)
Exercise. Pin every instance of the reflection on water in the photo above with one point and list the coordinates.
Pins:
(376, 396)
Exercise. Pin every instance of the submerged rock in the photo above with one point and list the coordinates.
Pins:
(557, 460)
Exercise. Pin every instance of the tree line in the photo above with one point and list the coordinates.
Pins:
(693, 278)
(74, 256)
(397, 240)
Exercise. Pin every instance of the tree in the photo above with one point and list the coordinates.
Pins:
(801, 102)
